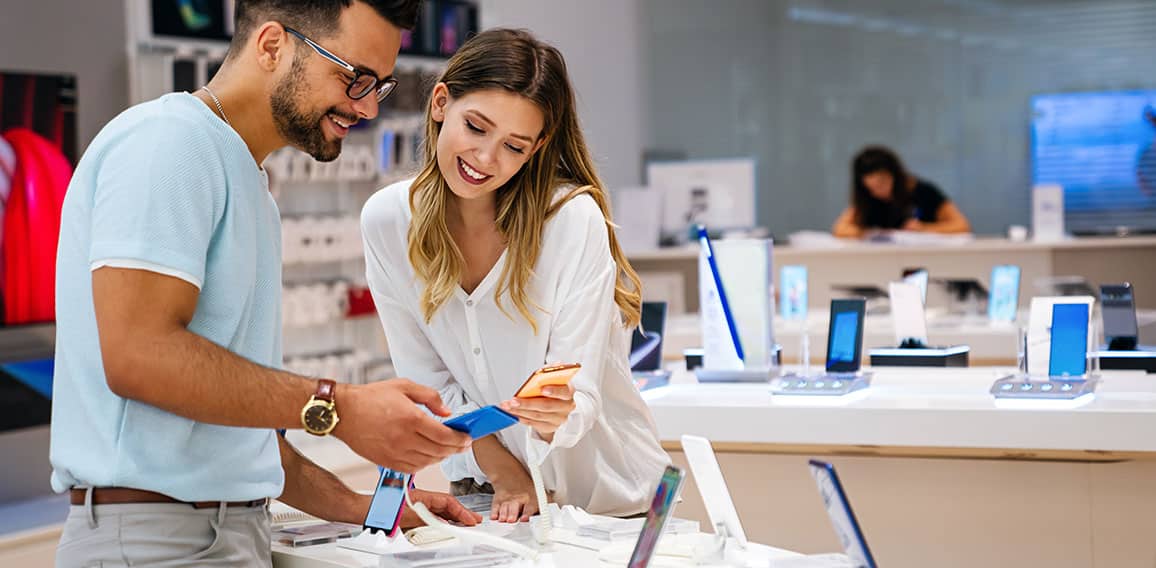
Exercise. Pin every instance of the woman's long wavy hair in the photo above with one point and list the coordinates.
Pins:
(517, 62)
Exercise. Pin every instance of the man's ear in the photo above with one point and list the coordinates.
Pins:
(438, 101)
(271, 43)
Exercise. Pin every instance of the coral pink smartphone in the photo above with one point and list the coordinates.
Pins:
(552, 375)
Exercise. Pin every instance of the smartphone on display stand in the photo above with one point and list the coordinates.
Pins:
(1118, 310)
(1004, 297)
(842, 517)
(388, 502)
(1069, 347)
(660, 511)
(845, 335)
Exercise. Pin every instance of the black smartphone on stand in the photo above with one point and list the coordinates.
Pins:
(845, 335)
(1118, 311)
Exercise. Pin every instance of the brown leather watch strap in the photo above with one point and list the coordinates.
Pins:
(326, 389)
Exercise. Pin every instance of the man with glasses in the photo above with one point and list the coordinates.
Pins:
(168, 390)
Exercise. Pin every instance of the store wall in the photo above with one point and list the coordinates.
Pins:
(86, 39)
(605, 54)
(801, 85)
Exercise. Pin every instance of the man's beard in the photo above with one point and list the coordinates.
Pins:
(301, 129)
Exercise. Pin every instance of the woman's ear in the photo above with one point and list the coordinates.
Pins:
(438, 101)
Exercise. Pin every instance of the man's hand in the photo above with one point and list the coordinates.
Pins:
(546, 413)
(442, 505)
(382, 422)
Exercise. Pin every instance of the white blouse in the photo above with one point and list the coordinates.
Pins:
(606, 457)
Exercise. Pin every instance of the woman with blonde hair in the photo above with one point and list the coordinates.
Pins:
(500, 258)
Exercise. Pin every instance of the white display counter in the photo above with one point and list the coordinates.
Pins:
(938, 472)
(563, 556)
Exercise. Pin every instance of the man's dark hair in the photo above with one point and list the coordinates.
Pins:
(314, 18)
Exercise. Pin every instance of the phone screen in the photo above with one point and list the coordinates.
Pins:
(1119, 313)
(660, 509)
(1003, 302)
(388, 499)
(1069, 348)
(844, 339)
(793, 292)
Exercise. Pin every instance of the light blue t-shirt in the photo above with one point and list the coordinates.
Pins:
(168, 187)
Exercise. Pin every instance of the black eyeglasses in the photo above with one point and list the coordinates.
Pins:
(363, 82)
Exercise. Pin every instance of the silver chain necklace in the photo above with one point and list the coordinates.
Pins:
(217, 102)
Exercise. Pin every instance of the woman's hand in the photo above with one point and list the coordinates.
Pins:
(913, 224)
(546, 413)
(514, 498)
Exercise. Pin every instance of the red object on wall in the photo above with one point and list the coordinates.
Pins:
(32, 227)
(360, 302)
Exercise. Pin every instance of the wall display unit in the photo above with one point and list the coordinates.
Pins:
(1101, 148)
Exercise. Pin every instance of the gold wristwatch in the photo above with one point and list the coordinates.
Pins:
(319, 417)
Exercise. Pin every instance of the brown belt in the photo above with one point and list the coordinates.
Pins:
(124, 495)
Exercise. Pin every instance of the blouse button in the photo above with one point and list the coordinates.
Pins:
(470, 303)
(477, 351)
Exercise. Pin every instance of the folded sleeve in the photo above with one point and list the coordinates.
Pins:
(160, 194)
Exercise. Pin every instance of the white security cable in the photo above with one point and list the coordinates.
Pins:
(545, 522)
(466, 535)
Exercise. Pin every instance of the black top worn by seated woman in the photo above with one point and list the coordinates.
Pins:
(922, 203)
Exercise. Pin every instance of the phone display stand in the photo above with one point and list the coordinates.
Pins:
(954, 356)
(764, 375)
(910, 325)
(835, 384)
(1023, 386)
(377, 543)
(1142, 359)
(1026, 387)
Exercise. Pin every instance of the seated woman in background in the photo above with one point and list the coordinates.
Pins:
(885, 197)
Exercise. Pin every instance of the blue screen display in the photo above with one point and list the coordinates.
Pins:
(385, 508)
(793, 292)
(1003, 300)
(1069, 348)
(1101, 148)
(842, 348)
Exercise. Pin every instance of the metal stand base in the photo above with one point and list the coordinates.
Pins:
(821, 385)
(1042, 388)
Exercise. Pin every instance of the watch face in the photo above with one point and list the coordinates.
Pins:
(318, 417)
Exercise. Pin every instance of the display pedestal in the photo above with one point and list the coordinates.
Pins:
(821, 385)
(377, 543)
(954, 356)
(764, 375)
(1022, 387)
(1143, 359)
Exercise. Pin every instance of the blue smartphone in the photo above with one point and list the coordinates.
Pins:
(841, 515)
(1069, 348)
(845, 335)
(660, 509)
(1004, 299)
(482, 422)
(793, 292)
(388, 502)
